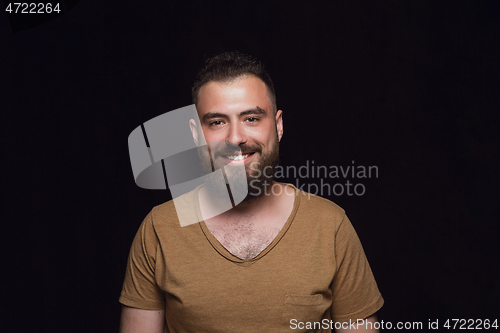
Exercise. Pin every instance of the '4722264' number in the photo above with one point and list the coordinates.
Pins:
(32, 8)
(471, 324)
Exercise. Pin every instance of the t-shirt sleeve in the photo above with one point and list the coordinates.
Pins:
(140, 289)
(355, 292)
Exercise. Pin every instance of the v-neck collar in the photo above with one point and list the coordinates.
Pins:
(231, 257)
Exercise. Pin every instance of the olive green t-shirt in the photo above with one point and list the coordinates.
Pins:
(315, 270)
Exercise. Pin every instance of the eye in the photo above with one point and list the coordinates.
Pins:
(215, 123)
(252, 119)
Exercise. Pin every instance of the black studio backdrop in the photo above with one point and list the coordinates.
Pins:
(411, 87)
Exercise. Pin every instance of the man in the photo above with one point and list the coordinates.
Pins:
(279, 261)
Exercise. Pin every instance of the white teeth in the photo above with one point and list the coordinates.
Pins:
(237, 157)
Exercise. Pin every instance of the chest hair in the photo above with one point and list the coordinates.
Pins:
(243, 238)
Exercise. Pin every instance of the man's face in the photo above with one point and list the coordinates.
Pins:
(239, 114)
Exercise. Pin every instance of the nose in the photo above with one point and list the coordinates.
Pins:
(237, 134)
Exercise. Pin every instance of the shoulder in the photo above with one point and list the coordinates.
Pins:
(162, 223)
(164, 214)
(176, 213)
(319, 209)
(315, 202)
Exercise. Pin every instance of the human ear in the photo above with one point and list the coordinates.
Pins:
(279, 124)
(194, 131)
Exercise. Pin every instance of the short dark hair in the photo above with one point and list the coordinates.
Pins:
(228, 66)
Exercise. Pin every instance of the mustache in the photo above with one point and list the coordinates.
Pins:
(232, 149)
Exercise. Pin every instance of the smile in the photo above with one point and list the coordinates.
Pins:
(238, 157)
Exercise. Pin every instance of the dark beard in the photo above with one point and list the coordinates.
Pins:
(256, 181)
(261, 174)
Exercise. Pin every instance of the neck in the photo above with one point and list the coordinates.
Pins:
(255, 204)
(251, 207)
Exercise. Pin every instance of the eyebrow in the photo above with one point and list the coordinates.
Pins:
(211, 115)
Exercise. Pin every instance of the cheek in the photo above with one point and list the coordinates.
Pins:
(264, 134)
(212, 136)
(269, 141)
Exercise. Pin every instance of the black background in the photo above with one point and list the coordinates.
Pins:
(410, 87)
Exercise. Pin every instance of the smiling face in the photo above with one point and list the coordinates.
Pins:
(239, 114)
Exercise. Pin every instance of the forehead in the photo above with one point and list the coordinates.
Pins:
(240, 94)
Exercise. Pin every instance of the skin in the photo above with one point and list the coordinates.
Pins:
(142, 321)
(241, 113)
(232, 112)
